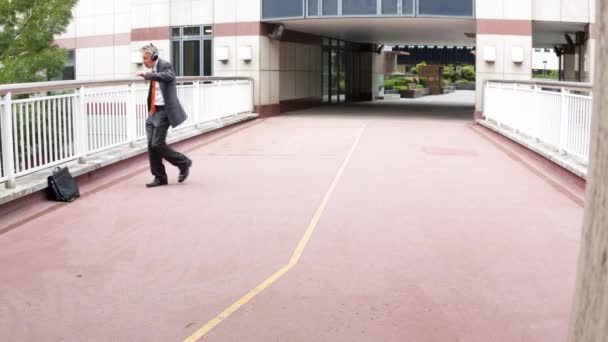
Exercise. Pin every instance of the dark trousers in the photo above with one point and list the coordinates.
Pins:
(159, 150)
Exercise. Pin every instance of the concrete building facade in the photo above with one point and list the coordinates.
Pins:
(307, 52)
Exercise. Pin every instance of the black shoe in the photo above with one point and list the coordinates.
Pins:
(185, 172)
(156, 183)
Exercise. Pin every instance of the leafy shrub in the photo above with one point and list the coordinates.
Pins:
(552, 75)
(463, 82)
(399, 82)
(450, 74)
(415, 70)
(467, 72)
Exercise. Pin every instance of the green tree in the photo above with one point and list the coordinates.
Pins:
(27, 31)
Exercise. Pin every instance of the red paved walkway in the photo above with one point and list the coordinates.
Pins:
(432, 234)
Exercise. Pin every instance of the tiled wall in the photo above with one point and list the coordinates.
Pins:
(503, 25)
(300, 70)
(107, 21)
(582, 11)
(107, 25)
(231, 13)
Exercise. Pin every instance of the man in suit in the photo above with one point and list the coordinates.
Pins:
(165, 110)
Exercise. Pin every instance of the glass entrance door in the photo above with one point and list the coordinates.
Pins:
(341, 76)
(326, 76)
(334, 83)
(335, 77)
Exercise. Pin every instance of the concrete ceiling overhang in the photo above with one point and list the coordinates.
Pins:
(546, 34)
(390, 31)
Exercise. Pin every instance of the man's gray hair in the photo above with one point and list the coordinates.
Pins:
(150, 48)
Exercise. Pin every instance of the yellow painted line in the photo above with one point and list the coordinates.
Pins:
(294, 258)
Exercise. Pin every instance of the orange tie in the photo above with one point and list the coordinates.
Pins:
(152, 97)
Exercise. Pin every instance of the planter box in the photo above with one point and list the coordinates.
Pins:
(413, 94)
(396, 96)
(470, 86)
(449, 89)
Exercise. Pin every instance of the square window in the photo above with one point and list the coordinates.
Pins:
(192, 31)
(71, 58)
(313, 8)
(330, 7)
(359, 7)
(282, 8)
(176, 56)
(191, 50)
(451, 8)
(390, 7)
(192, 57)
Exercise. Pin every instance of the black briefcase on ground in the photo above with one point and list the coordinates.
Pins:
(62, 186)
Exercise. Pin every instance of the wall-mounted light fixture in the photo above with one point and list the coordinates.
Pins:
(222, 54)
(245, 53)
(136, 57)
(517, 54)
(489, 54)
(277, 32)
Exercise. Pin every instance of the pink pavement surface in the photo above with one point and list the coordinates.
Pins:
(432, 234)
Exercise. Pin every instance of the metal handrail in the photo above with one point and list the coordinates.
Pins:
(35, 87)
(39, 132)
(556, 114)
(545, 83)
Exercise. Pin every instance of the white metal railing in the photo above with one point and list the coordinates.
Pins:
(557, 114)
(49, 123)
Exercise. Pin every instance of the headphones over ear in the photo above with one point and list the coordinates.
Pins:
(155, 53)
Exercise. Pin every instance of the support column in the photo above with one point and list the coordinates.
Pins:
(366, 74)
(590, 315)
(378, 73)
(589, 51)
(570, 67)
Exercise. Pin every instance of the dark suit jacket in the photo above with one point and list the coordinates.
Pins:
(165, 76)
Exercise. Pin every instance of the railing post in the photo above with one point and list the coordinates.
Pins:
(8, 160)
(197, 103)
(484, 95)
(82, 143)
(220, 108)
(563, 123)
(499, 107)
(535, 112)
(132, 115)
(252, 97)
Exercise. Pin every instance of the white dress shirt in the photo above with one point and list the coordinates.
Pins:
(158, 96)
